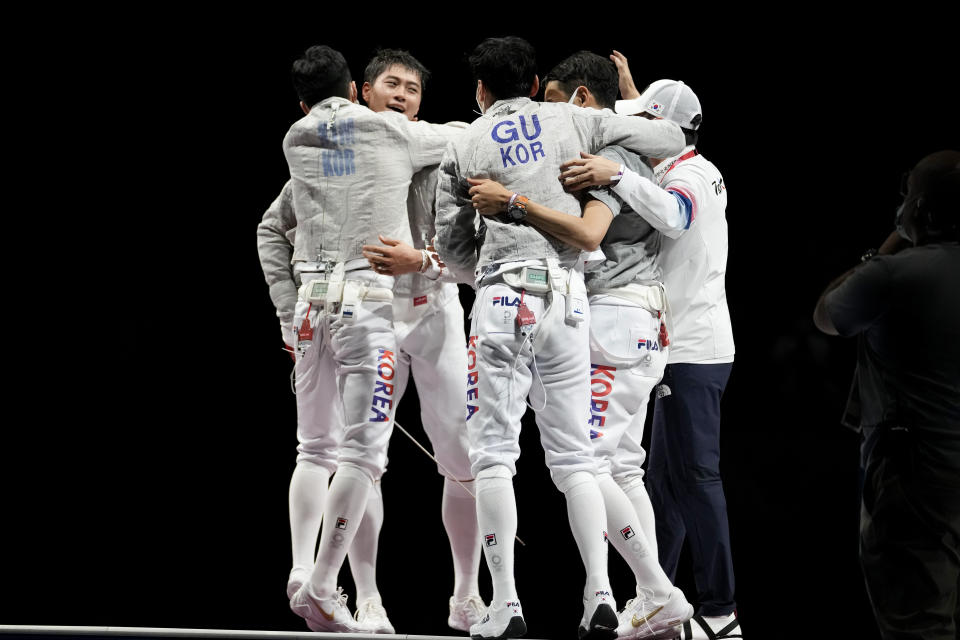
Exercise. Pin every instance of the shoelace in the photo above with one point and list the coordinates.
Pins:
(341, 598)
(476, 604)
(371, 609)
(644, 595)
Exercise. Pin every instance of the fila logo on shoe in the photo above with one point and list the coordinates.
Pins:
(602, 594)
(513, 605)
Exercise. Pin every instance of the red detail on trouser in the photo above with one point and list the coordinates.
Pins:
(305, 332)
(664, 338)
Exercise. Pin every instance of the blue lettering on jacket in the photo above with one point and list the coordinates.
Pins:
(336, 156)
(506, 131)
(338, 162)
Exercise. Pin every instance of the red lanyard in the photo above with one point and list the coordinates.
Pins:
(686, 156)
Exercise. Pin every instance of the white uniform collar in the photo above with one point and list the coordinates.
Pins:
(507, 104)
(326, 102)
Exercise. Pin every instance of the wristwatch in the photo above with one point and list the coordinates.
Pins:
(517, 209)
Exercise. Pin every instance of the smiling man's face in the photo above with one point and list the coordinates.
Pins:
(397, 89)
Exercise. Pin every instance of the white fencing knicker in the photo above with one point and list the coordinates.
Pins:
(547, 360)
(628, 354)
(343, 326)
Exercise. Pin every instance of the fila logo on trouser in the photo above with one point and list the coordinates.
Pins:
(385, 373)
(649, 345)
(601, 384)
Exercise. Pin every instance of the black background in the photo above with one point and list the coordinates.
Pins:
(151, 440)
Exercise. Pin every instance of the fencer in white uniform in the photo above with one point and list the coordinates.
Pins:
(350, 170)
(628, 342)
(529, 328)
(428, 320)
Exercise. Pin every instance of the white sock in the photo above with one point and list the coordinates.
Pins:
(587, 522)
(640, 499)
(363, 550)
(459, 512)
(627, 537)
(345, 505)
(497, 521)
(308, 493)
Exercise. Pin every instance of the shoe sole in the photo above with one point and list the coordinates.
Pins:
(673, 633)
(515, 629)
(603, 625)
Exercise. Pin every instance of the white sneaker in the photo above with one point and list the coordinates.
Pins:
(324, 614)
(719, 627)
(371, 614)
(465, 612)
(599, 620)
(498, 623)
(650, 619)
(298, 575)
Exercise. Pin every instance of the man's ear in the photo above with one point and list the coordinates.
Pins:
(365, 92)
(535, 87)
(304, 107)
(353, 91)
(581, 96)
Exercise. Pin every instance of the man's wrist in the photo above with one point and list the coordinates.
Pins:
(517, 208)
(615, 178)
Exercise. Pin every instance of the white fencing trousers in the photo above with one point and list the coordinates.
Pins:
(429, 330)
(360, 354)
(627, 361)
(502, 370)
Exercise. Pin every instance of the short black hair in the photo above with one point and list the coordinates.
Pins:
(506, 66)
(596, 73)
(383, 59)
(320, 73)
